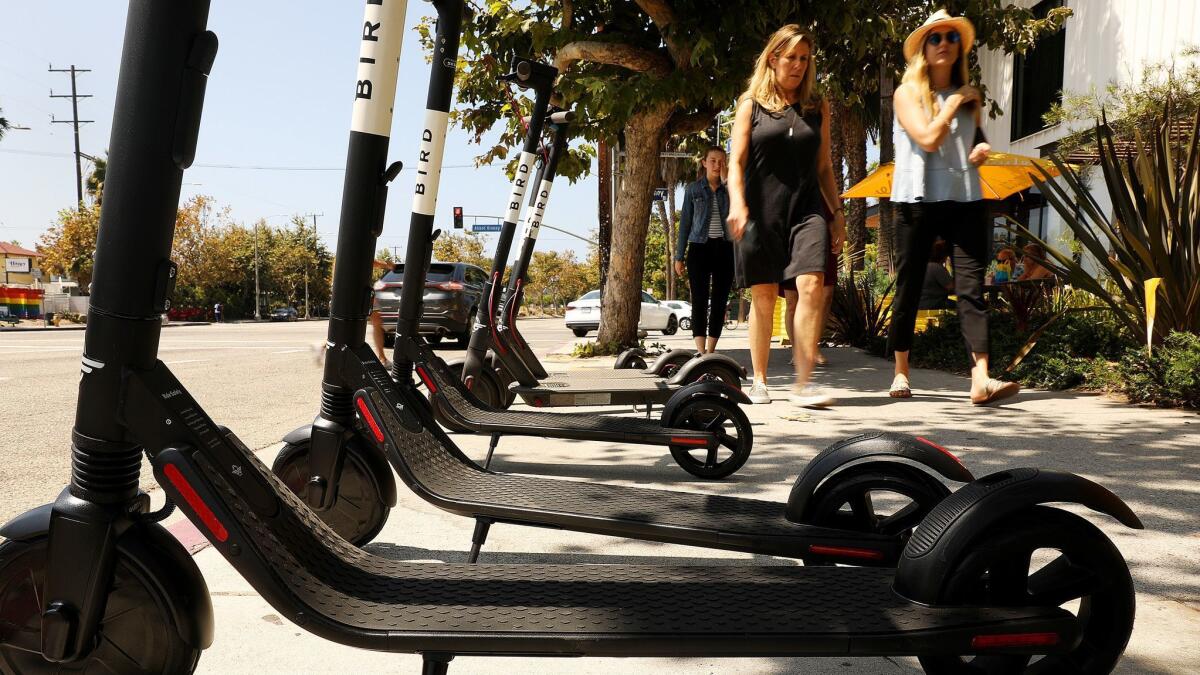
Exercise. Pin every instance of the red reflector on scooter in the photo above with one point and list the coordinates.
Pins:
(944, 451)
(688, 441)
(366, 415)
(1014, 640)
(427, 380)
(846, 552)
(195, 503)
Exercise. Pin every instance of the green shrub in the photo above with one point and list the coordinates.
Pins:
(859, 316)
(1168, 377)
(586, 350)
(1065, 356)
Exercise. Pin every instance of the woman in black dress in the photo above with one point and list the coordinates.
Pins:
(781, 185)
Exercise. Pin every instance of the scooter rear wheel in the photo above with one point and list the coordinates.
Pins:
(720, 416)
(137, 633)
(1043, 556)
(848, 501)
(359, 512)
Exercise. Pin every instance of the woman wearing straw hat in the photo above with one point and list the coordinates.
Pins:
(936, 192)
(781, 186)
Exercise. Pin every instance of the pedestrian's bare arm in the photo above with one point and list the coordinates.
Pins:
(739, 157)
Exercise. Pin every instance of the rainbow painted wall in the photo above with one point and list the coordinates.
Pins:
(23, 302)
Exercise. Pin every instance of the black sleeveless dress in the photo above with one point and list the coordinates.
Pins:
(787, 234)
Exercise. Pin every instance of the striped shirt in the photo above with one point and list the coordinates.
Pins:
(715, 229)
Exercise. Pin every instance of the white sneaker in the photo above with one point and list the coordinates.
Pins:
(811, 397)
(758, 393)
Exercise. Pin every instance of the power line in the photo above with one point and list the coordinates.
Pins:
(74, 96)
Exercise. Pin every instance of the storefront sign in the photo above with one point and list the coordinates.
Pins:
(19, 265)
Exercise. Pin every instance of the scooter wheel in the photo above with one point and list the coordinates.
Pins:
(1043, 556)
(359, 512)
(724, 418)
(885, 498)
(138, 632)
(717, 373)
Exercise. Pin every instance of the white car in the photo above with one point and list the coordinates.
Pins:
(683, 312)
(583, 315)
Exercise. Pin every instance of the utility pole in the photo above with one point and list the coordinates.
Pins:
(74, 96)
(257, 294)
(306, 265)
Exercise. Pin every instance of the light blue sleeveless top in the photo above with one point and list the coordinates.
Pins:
(940, 176)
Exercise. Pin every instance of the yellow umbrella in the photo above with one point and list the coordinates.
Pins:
(1001, 176)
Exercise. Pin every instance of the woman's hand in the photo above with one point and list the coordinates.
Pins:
(979, 154)
(837, 232)
(679, 267)
(970, 95)
(738, 217)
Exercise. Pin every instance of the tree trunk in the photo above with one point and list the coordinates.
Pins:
(621, 301)
(837, 145)
(671, 176)
(887, 153)
(854, 135)
(604, 159)
(668, 263)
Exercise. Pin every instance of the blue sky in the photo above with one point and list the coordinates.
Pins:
(280, 95)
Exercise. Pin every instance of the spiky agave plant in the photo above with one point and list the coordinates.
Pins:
(1152, 233)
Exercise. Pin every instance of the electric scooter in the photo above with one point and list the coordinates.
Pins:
(707, 433)
(92, 583)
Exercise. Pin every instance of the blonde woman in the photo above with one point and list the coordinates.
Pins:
(781, 186)
(936, 192)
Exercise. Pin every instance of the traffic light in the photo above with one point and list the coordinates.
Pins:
(458, 225)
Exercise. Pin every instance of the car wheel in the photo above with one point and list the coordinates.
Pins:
(672, 326)
(579, 332)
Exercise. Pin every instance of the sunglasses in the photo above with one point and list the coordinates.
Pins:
(951, 36)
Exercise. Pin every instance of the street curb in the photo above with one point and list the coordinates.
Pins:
(38, 329)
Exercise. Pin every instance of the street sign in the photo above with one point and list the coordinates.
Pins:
(660, 194)
(486, 227)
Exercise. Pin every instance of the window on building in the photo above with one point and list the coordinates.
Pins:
(1037, 78)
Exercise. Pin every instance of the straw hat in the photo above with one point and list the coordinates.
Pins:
(938, 20)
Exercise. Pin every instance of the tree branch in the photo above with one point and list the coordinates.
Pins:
(684, 124)
(663, 15)
(613, 54)
(568, 9)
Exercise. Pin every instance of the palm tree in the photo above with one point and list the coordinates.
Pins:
(95, 180)
(4, 125)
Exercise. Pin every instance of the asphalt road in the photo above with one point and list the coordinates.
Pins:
(262, 380)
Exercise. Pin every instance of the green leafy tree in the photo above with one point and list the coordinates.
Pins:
(1131, 107)
(464, 248)
(69, 246)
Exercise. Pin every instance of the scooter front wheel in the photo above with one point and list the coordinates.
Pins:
(720, 416)
(1044, 557)
(138, 632)
(360, 511)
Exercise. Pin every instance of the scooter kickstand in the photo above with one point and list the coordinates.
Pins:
(435, 663)
(487, 462)
(482, 525)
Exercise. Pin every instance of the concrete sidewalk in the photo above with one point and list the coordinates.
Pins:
(1149, 457)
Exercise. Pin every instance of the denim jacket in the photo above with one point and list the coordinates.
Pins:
(693, 219)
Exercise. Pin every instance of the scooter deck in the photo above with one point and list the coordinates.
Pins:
(319, 580)
(468, 411)
(433, 466)
(595, 389)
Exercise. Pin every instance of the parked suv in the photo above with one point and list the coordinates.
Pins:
(452, 292)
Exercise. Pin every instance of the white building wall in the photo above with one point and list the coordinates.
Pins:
(1106, 41)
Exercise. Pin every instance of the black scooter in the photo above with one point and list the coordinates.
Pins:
(92, 583)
